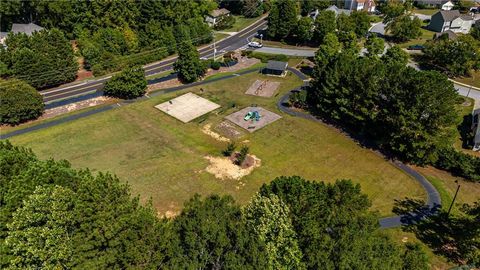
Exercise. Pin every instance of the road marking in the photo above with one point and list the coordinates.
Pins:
(73, 90)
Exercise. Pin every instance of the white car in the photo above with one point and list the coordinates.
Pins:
(255, 44)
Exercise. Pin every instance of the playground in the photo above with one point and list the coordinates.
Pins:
(253, 118)
(264, 88)
(187, 107)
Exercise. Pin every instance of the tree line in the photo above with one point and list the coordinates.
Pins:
(54, 216)
(410, 114)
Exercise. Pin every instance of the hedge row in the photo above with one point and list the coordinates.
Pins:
(459, 163)
(265, 57)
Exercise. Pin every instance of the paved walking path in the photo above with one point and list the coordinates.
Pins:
(433, 197)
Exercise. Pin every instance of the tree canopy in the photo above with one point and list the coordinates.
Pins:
(19, 102)
(128, 84)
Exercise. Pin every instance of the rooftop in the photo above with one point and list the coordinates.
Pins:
(277, 65)
(25, 28)
(219, 12)
(449, 15)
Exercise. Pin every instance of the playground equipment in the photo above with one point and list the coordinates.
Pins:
(260, 87)
(252, 115)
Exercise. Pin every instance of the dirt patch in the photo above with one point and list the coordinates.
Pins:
(207, 130)
(264, 88)
(75, 107)
(228, 130)
(223, 167)
(170, 214)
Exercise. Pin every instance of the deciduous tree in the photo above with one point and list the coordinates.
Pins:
(128, 84)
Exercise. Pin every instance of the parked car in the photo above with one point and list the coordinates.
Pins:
(255, 44)
(416, 47)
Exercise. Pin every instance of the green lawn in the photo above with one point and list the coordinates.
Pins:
(472, 80)
(426, 11)
(163, 159)
(426, 35)
(240, 23)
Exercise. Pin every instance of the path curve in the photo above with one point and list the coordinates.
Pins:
(433, 196)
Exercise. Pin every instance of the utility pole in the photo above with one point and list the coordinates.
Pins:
(454, 197)
(261, 38)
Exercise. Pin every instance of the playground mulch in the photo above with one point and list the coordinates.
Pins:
(263, 88)
(266, 118)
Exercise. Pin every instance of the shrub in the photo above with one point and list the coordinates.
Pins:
(225, 23)
(229, 150)
(242, 155)
(215, 65)
(265, 57)
(128, 84)
(20, 102)
(298, 99)
(459, 163)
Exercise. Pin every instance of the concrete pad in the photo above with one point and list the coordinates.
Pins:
(263, 88)
(187, 107)
(266, 117)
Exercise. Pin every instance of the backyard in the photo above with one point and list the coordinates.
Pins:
(165, 159)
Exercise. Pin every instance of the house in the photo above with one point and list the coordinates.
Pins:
(449, 34)
(476, 130)
(338, 11)
(359, 5)
(441, 4)
(27, 29)
(277, 68)
(445, 20)
(216, 15)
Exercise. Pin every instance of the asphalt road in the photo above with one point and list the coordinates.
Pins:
(74, 93)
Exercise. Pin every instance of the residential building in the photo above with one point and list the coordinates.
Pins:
(476, 130)
(441, 4)
(445, 20)
(338, 11)
(27, 29)
(216, 15)
(358, 5)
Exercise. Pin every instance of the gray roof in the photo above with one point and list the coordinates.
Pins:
(25, 28)
(277, 65)
(338, 10)
(3, 34)
(449, 15)
(466, 17)
(432, 2)
(449, 33)
(219, 12)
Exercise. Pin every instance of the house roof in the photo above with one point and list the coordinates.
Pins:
(466, 17)
(449, 15)
(25, 28)
(219, 12)
(277, 65)
(432, 2)
(338, 10)
(450, 34)
(3, 34)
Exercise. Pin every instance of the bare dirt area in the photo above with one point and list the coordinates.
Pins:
(207, 129)
(224, 168)
(82, 72)
(75, 107)
(228, 129)
(264, 88)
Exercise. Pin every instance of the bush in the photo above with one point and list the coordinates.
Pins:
(242, 155)
(225, 23)
(229, 150)
(215, 65)
(298, 99)
(20, 102)
(459, 163)
(128, 84)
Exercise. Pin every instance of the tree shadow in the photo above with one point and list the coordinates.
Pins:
(465, 129)
(443, 234)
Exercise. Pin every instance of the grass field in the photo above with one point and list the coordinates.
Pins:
(472, 80)
(240, 23)
(426, 11)
(163, 159)
(424, 37)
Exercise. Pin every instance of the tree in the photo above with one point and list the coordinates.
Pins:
(475, 32)
(404, 28)
(304, 29)
(361, 22)
(128, 84)
(252, 8)
(414, 258)
(374, 46)
(325, 23)
(455, 57)
(395, 55)
(19, 102)
(213, 235)
(282, 19)
(188, 64)
(334, 228)
(392, 10)
(268, 217)
(242, 155)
